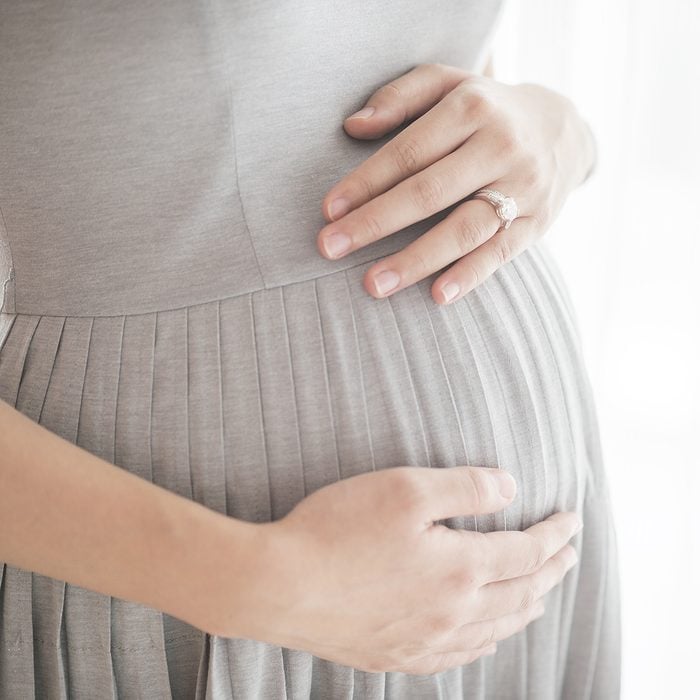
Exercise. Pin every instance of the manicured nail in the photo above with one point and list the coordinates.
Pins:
(363, 113)
(579, 527)
(506, 483)
(385, 281)
(450, 291)
(336, 244)
(339, 207)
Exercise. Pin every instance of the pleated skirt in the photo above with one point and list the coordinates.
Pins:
(248, 403)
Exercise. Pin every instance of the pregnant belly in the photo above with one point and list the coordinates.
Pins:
(249, 403)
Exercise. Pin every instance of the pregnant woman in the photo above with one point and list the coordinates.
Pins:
(305, 501)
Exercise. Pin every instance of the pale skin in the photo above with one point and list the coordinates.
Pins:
(358, 572)
(469, 132)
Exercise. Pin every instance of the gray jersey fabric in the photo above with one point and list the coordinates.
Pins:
(162, 166)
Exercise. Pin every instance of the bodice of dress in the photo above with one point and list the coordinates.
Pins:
(162, 154)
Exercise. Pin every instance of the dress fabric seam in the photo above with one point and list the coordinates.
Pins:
(234, 147)
(213, 300)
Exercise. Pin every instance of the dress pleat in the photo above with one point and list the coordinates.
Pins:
(164, 306)
(247, 477)
(204, 411)
(341, 351)
(380, 350)
(86, 614)
(170, 454)
(249, 403)
(277, 393)
(16, 629)
(56, 652)
(136, 627)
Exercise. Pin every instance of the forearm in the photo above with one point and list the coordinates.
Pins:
(68, 514)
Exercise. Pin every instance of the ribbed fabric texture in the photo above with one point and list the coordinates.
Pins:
(249, 403)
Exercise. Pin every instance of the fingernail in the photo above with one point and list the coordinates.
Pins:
(579, 527)
(336, 244)
(506, 483)
(491, 651)
(385, 281)
(450, 291)
(573, 557)
(339, 207)
(363, 113)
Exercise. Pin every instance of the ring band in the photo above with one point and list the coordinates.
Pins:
(506, 207)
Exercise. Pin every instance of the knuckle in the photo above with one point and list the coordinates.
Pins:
(371, 225)
(428, 194)
(364, 185)
(470, 233)
(420, 264)
(480, 101)
(407, 156)
(391, 88)
(462, 582)
(532, 173)
(528, 597)
(538, 553)
(476, 488)
(473, 97)
(502, 251)
(440, 624)
(478, 277)
(508, 144)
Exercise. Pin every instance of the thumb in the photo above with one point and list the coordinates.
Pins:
(458, 491)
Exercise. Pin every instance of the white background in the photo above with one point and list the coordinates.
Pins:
(627, 243)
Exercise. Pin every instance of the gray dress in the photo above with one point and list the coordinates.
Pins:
(162, 166)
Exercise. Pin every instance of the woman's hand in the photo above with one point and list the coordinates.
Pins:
(523, 140)
(359, 573)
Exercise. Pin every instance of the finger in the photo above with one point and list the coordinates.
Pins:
(510, 554)
(431, 190)
(434, 663)
(467, 227)
(454, 491)
(480, 635)
(403, 98)
(519, 594)
(431, 137)
(475, 267)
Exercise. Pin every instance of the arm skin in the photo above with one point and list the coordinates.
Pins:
(68, 514)
(589, 145)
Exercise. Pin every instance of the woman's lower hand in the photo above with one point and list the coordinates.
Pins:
(358, 572)
(525, 141)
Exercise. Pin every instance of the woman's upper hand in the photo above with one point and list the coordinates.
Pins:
(471, 131)
(359, 573)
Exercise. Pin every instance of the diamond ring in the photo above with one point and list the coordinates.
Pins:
(506, 207)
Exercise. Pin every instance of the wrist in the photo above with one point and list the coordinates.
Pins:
(242, 579)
